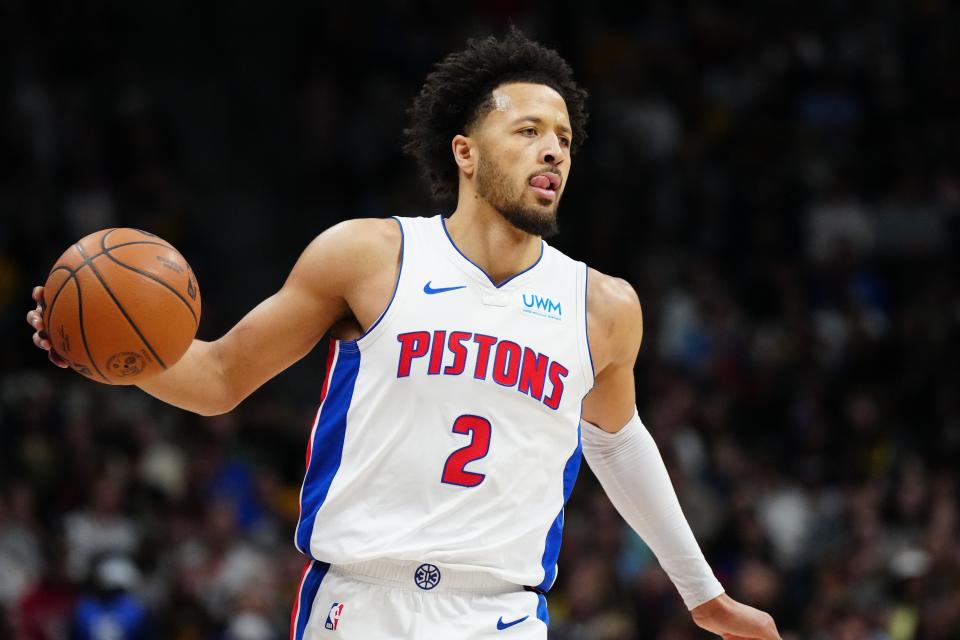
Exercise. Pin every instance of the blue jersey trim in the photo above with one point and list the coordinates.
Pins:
(586, 326)
(327, 447)
(551, 550)
(311, 585)
(443, 223)
(542, 613)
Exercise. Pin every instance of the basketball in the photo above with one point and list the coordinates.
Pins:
(121, 306)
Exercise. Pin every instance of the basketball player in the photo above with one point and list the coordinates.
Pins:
(469, 366)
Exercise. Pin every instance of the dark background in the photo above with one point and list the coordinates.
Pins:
(778, 180)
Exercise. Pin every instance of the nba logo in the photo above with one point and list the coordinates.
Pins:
(333, 618)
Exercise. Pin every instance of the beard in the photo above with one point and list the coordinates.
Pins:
(494, 186)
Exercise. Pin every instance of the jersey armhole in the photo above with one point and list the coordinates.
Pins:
(584, 342)
(383, 321)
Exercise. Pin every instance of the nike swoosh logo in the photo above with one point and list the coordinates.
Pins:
(430, 290)
(501, 625)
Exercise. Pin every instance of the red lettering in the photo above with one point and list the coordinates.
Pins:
(459, 352)
(479, 430)
(483, 354)
(533, 374)
(557, 373)
(506, 365)
(412, 345)
(513, 365)
(436, 354)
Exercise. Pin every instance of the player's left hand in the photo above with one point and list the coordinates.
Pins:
(40, 337)
(733, 620)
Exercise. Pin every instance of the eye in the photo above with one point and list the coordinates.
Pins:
(528, 131)
(565, 141)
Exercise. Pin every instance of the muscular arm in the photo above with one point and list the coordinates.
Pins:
(213, 377)
(622, 453)
(615, 324)
(626, 461)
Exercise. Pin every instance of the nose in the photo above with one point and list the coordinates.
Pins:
(552, 153)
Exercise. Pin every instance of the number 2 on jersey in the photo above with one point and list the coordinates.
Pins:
(479, 431)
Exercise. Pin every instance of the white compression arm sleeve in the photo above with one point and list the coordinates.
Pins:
(631, 471)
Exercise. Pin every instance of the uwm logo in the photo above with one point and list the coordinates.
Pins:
(541, 306)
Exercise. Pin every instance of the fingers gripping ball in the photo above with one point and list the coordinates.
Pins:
(122, 305)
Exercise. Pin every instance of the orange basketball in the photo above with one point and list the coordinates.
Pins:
(121, 305)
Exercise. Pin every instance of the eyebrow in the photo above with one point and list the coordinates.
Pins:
(540, 121)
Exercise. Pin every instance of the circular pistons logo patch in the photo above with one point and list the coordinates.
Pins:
(125, 363)
(427, 576)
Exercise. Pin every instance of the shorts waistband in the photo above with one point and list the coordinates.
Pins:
(424, 576)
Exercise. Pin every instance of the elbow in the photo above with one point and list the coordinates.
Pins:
(219, 409)
(209, 412)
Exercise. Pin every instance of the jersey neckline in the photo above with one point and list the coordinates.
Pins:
(459, 256)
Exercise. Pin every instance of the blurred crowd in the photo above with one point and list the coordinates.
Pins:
(779, 181)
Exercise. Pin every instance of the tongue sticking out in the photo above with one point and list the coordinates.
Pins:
(541, 182)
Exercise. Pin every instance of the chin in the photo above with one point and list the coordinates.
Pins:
(536, 221)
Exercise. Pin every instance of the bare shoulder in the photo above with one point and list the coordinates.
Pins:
(610, 296)
(360, 239)
(345, 257)
(614, 318)
(366, 229)
(357, 246)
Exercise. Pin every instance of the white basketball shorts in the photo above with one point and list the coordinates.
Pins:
(384, 600)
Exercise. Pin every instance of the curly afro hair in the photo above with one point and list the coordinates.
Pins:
(459, 92)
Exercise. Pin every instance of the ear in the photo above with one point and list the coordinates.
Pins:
(465, 154)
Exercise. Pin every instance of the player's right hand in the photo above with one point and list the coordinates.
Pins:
(732, 620)
(40, 337)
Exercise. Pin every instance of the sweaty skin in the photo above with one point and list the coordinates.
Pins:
(345, 277)
(501, 101)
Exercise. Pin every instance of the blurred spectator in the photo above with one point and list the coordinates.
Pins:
(839, 224)
(219, 566)
(21, 560)
(110, 610)
(101, 527)
(45, 609)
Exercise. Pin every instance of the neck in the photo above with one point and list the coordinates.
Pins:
(490, 242)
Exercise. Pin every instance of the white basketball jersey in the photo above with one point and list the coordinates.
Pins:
(449, 433)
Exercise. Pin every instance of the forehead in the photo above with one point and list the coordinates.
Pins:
(521, 99)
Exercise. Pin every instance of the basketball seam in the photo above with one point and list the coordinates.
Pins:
(49, 314)
(83, 333)
(49, 308)
(97, 255)
(106, 251)
(123, 311)
(124, 244)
